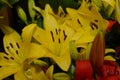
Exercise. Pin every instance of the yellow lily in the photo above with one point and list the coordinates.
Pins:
(54, 40)
(79, 37)
(15, 59)
(60, 16)
(87, 22)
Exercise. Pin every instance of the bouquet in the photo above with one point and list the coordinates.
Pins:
(70, 44)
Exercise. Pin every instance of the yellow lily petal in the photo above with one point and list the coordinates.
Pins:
(59, 16)
(63, 61)
(27, 33)
(73, 14)
(13, 47)
(40, 51)
(7, 60)
(61, 13)
(44, 38)
(81, 37)
(108, 50)
(20, 75)
(38, 74)
(62, 17)
(7, 71)
(49, 22)
(87, 24)
(49, 72)
(42, 76)
(37, 51)
(109, 58)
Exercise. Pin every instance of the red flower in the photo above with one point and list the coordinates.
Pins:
(112, 78)
(109, 78)
(83, 70)
(110, 71)
(117, 49)
(110, 24)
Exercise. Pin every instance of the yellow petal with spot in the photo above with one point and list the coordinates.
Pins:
(14, 47)
(44, 38)
(49, 72)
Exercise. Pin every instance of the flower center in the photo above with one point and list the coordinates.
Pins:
(27, 68)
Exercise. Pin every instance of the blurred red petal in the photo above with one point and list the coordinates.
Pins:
(83, 70)
(110, 68)
(109, 78)
(112, 78)
(110, 24)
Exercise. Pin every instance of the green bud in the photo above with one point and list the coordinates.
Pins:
(61, 76)
(31, 4)
(40, 62)
(22, 14)
(6, 29)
